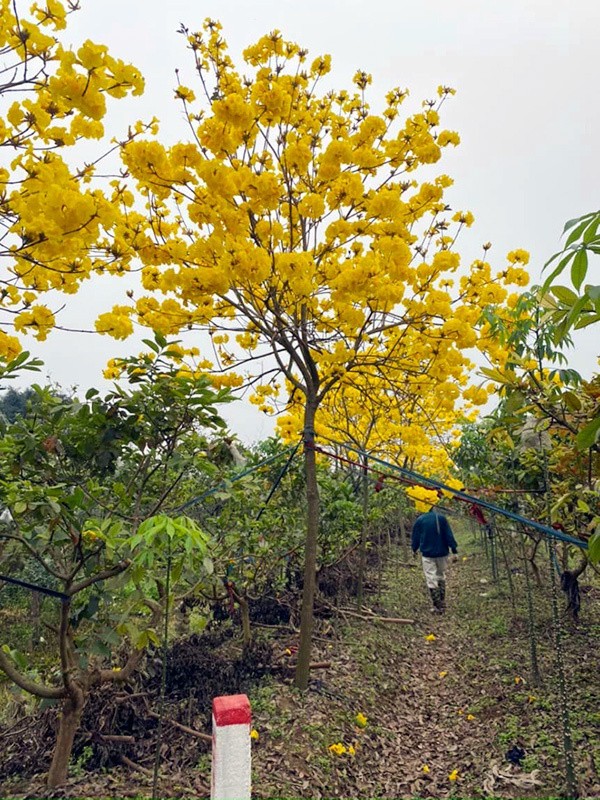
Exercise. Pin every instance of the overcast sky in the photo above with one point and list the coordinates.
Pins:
(526, 109)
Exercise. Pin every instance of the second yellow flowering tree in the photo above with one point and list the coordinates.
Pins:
(292, 228)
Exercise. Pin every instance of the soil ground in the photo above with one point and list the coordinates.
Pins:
(449, 695)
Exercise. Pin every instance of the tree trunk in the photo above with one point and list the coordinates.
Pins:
(34, 615)
(362, 566)
(403, 540)
(245, 615)
(69, 723)
(310, 557)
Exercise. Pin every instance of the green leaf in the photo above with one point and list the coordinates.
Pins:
(587, 319)
(152, 345)
(590, 232)
(579, 268)
(557, 270)
(593, 292)
(594, 547)
(588, 435)
(574, 313)
(564, 294)
(572, 401)
(579, 229)
(570, 223)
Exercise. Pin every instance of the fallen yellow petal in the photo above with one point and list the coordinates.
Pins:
(425, 769)
(430, 637)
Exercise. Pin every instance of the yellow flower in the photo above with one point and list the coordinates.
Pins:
(443, 674)
(361, 720)
(338, 749)
(183, 93)
(454, 775)
(425, 769)
(448, 137)
(464, 558)
(351, 750)
(430, 637)
(532, 698)
(470, 717)
(464, 217)
(254, 734)
(518, 256)
(518, 679)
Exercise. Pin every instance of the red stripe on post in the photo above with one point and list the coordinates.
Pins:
(232, 709)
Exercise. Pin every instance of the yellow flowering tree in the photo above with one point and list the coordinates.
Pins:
(291, 226)
(408, 423)
(56, 228)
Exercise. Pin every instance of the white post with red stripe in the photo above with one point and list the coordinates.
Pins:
(231, 748)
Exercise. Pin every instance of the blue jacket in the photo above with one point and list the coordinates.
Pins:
(432, 535)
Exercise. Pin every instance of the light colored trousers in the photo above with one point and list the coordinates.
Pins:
(435, 570)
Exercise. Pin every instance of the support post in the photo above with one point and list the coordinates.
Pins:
(231, 758)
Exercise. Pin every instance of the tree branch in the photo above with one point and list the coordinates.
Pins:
(36, 689)
(100, 576)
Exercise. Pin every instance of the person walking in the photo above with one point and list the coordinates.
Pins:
(432, 535)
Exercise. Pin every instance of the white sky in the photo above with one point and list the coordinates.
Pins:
(526, 109)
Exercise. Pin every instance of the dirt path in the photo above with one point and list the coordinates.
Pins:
(464, 699)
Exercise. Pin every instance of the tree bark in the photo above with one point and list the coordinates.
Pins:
(310, 558)
(245, 616)
(69, 723)
(34, 615)
(403, 539)
(362, 565)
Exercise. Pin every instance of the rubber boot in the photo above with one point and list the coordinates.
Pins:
(435, 599)
(442, 592)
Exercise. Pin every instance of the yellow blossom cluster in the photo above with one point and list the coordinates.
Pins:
(59, 228)
(423, 498)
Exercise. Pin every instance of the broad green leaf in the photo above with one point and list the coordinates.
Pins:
(564, 294)
(588, 435)
(579, 268)
(576, 311)
(572, 401)
(578, 230)
(588, 319)
(594, 547)
(591, 232)
(558, 269)
(152, 345)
